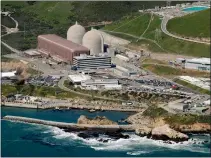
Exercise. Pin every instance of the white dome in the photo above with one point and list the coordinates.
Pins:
(75, 33)
(93, 40)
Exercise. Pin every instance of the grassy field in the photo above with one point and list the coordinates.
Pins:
(7, 21)
(196, 88)
(4, 59)
(155, 61)
(175, 119)
(36, 91)
(192, 25)
(171, 71)
(134, 25)
(15, 40)
(137, 27)
(5, 50)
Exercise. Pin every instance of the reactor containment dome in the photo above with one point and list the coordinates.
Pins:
(93, 40)
(75, 33)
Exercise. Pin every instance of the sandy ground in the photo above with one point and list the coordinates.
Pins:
(168, 57)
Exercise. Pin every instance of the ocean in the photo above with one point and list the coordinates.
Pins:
(31, 140)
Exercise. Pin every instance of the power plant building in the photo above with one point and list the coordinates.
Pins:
(92, 62)
(75, 33)
(93, 40)
(59, 48)
(198, 64)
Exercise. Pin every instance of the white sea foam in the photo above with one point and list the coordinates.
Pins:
(135, 145)
(137, 152)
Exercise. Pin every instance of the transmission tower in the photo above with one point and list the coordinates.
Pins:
(157, 34)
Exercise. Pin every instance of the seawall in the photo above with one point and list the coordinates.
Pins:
(19, 105)
(72, 126)
(88, 107)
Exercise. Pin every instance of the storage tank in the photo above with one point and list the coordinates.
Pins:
(93, 40)
(75, 33)
(121, 57)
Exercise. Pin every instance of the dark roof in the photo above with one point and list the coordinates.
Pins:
(63, 42)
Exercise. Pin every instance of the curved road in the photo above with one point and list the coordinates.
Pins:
(164, 29)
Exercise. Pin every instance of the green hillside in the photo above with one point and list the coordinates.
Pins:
(137, 24)
(192, 25)
(67, 12)
(56, 17)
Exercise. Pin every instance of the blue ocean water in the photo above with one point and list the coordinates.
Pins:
(195, 8)
(21, 139)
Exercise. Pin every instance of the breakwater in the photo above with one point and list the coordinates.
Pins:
(72, 126)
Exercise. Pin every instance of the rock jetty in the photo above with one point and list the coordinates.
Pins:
(166, 133)
(95, 121)
(73, 126)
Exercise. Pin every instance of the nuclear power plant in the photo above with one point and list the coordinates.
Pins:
(86, 49)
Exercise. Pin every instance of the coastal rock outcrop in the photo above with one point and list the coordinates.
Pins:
(166, 133)
(194, 128)
(111, 135)
(95, 121)
(143, 131)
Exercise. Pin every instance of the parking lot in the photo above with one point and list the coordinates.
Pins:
(44, 81)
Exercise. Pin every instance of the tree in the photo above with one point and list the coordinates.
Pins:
(31, 2)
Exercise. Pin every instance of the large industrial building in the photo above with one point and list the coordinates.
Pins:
(77, 79)
(78, 42)
(91, 62)
(87, 82)
(101, 83)
(59, 48)
(198, 64)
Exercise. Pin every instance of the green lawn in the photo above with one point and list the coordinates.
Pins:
(192, 25)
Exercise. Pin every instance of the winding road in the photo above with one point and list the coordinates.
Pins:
(164, 30)
(10, 31)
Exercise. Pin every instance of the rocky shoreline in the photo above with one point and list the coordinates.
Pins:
(159, 132)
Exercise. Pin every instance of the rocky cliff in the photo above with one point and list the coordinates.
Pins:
(166, 133)
(194, 128)
(95, 121)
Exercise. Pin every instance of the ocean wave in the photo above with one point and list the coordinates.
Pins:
(135, 145)
(137, 152)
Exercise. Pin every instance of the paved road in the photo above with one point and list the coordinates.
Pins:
(164, 29)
